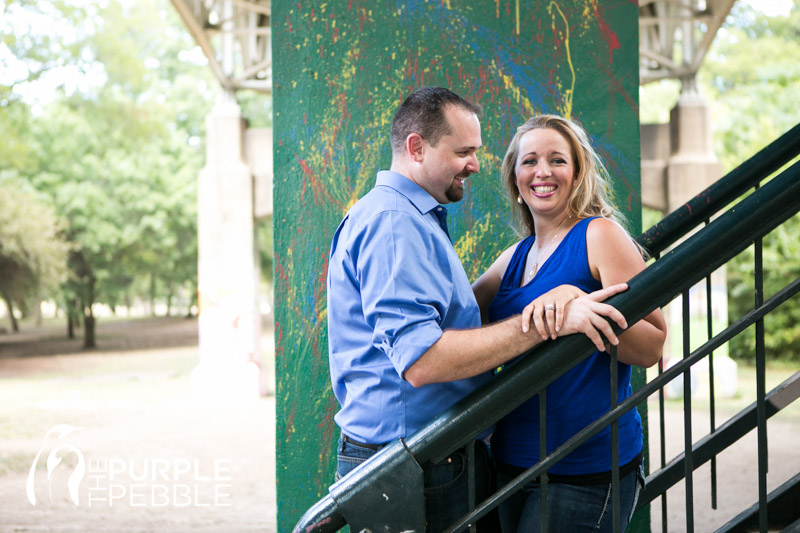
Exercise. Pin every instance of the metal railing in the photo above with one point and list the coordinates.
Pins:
(355, 500)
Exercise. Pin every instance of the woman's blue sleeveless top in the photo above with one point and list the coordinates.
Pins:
(578, 397)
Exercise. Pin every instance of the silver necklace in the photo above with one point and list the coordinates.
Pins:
(540, 253)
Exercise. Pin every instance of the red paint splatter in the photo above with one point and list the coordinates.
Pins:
(620, 88)
(279, 266)
(609, 35)
(361, 18)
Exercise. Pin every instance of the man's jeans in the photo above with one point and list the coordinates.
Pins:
(570, 508)
(445, 482)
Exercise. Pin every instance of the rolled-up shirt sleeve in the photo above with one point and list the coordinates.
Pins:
(405, 289)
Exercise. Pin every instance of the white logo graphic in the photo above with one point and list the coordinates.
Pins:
(53, 460)
(138, 482)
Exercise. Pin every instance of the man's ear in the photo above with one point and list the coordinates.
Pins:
(415, 147)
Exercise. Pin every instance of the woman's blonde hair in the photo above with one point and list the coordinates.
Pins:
(591, 195)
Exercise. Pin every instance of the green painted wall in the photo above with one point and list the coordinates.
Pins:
(340, 71)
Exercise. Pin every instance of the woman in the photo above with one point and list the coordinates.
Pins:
(573, 242)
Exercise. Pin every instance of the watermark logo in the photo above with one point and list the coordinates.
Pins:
(159, 482)
(53, 460)
(137, 482)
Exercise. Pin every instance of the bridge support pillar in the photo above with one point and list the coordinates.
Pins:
(229, 322)
(678, 162)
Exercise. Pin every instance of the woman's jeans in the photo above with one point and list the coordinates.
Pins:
(445, 482)
(570, 508)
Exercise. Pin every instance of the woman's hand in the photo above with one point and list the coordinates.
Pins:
(586, 314)
(547, 311)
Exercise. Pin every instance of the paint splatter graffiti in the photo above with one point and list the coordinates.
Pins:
(340, 71)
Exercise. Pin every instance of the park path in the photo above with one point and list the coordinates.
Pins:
(159, 458)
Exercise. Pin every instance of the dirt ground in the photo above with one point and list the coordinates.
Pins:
(160, 458)
(157, 457)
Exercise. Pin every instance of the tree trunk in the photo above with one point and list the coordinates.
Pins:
(70, 325)
(152, 294)
(14, 325)
(88, 317)
(192, 301)
(37, 311)
(73, 317)
(170, 286)
(88, 330)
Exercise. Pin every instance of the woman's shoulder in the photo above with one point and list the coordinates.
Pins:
(609, 239)
(605, 228)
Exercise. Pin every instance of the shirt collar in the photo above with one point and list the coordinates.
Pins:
(418, 196)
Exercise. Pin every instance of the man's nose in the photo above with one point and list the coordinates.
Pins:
(472, 165)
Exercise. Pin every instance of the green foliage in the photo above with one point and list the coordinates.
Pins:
(751, 70)
(753, 67)
(782, 327)
(264, 243)
(33, 251)
(116, 154)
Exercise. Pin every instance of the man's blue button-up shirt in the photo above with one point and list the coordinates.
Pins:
(394, 284)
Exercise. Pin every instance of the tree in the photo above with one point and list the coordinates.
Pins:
(117, 154)
(753, 67)
(33, 253)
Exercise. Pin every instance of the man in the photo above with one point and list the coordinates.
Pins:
(404, 328)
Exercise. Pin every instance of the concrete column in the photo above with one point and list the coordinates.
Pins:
(692, 167)
(228, 316)
(258, 155)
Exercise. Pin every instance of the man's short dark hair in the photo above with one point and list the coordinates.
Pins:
(423, 113)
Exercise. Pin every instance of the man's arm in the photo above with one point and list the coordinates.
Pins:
(459, 354)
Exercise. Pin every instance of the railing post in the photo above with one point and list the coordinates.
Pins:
(761, 392)
(543, 453)
(614, 400)
(470, 448)
(663, 441)
(687, 420)
(712, 404)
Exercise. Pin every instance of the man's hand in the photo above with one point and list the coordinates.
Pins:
(583, 314)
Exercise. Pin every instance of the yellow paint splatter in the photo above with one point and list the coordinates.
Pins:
(511, 85)
(567, 112)
(471, 246)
